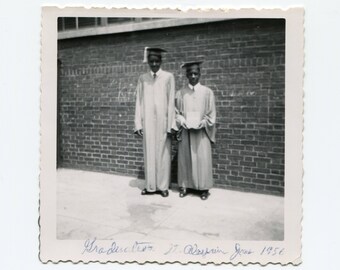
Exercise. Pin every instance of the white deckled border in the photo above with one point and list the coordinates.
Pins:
(55, 250)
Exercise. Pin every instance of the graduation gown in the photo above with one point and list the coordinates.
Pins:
(194, 147)
(155, 114)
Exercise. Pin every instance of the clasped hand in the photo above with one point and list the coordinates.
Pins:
(201, 125)
(140, 133)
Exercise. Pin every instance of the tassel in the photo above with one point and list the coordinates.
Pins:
(145, 60)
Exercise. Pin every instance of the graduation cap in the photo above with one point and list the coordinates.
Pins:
(152, 51)
(189, 64)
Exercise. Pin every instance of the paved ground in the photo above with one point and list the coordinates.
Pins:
(108, 206)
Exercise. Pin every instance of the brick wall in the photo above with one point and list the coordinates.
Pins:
(244, 66)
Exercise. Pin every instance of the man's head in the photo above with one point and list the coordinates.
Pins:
(154, 62)
(154, 58)
(193, 72)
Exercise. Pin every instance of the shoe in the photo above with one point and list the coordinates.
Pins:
(182, 192)
(205, 195)
(164, 193)
(145, 192)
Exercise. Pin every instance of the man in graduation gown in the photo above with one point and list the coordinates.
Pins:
(195, 119)
(154, 119)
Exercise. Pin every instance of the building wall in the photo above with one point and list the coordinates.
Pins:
(244, 66)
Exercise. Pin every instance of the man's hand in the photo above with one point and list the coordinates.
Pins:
(184, 124)
(140, 132)
(201, 125)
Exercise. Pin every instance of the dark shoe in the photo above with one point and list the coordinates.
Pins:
(145, 192)
(182, 192)
(204, 195)
(164, 193)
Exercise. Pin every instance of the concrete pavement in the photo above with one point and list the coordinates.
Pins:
(107, 206)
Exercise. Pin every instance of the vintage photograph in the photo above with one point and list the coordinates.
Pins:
(171, 129)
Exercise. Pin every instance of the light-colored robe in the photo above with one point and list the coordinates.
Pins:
(194, 147)
(155, 115)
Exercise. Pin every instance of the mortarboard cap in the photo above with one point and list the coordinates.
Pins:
(152, 51)
(189, 64)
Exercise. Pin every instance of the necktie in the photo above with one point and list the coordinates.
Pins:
(154, 75)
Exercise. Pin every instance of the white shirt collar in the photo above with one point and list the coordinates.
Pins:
(192, 87)
(157, 73)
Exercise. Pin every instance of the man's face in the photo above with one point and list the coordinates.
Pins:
(193, 75)
(154, 62)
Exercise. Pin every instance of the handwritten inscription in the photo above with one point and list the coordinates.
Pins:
(197, 251)
(91, 246)
(273, 251)
(238, 252)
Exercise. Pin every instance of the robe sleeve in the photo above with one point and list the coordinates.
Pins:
(138, 108)
(179, 111)
(179, 118)
(209, 117)
(171, 104)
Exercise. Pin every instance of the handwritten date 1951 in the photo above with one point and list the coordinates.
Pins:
(272, 251)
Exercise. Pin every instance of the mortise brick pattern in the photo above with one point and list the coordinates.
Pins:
(244, 66)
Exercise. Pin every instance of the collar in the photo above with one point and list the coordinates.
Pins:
(192, 87)
(157, 73)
